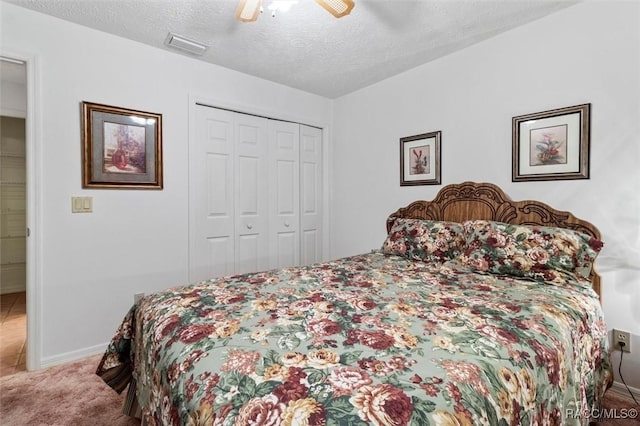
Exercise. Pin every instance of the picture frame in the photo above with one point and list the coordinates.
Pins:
(420, 159)
(122, 148)
(551, 145)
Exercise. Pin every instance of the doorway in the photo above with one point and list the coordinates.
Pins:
(13, 216)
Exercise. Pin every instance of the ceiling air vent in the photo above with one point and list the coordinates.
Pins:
(186, 45)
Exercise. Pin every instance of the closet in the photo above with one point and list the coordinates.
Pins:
(255, 193)
(12, 205)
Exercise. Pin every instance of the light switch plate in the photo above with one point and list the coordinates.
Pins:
(81, 204)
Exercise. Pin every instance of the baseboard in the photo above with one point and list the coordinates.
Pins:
(73, 355)
(619, 389)
(15, 288)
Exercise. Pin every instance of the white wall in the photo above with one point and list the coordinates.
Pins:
(586, 53)
(135, 240)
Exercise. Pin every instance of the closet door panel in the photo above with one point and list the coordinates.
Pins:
(219, 196)
(251, 194)
(249, 256)
(311, 194)
(211, 196)
(285, 223)
(286, 249)
(284, 188)
(219, 257)
(218, 218)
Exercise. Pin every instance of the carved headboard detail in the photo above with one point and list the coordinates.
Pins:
(470, 200)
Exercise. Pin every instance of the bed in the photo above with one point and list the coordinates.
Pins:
(475, 310)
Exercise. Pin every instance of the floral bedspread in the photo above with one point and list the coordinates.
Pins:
(372, 339)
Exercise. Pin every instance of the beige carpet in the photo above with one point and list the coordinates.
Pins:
(72, 394)
(65, 395)
(623, 407)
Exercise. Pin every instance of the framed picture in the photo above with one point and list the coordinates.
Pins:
(551, 145)
(420, 159)
(122, 148)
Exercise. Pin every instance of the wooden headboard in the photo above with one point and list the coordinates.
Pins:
(486, 201)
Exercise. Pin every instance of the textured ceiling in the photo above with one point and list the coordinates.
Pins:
(306, 47)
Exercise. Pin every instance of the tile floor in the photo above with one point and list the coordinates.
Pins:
(13, 333)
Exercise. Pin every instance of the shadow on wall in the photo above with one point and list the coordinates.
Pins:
(625, 282)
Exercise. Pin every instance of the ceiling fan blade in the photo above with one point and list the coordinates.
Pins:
(248, 10)
(337, 8)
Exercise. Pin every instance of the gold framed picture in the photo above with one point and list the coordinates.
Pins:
(122, 148)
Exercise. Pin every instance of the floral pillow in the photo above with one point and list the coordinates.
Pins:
(424, 240)
(537, 252)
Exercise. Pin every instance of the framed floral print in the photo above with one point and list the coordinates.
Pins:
(122, 148)
(420, 159)
(551, 145)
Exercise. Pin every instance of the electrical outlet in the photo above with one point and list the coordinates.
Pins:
(623, 337)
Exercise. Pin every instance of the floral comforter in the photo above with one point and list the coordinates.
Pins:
(372, 339)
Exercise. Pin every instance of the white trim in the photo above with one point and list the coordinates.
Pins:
(74, 355)
(34, 215)
(326, 194)
(34, 202)
(618, 389)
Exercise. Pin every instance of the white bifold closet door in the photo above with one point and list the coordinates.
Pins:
(284, 193)
(254, 194)
(311, 195)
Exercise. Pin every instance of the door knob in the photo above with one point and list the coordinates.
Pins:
(249, 226)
